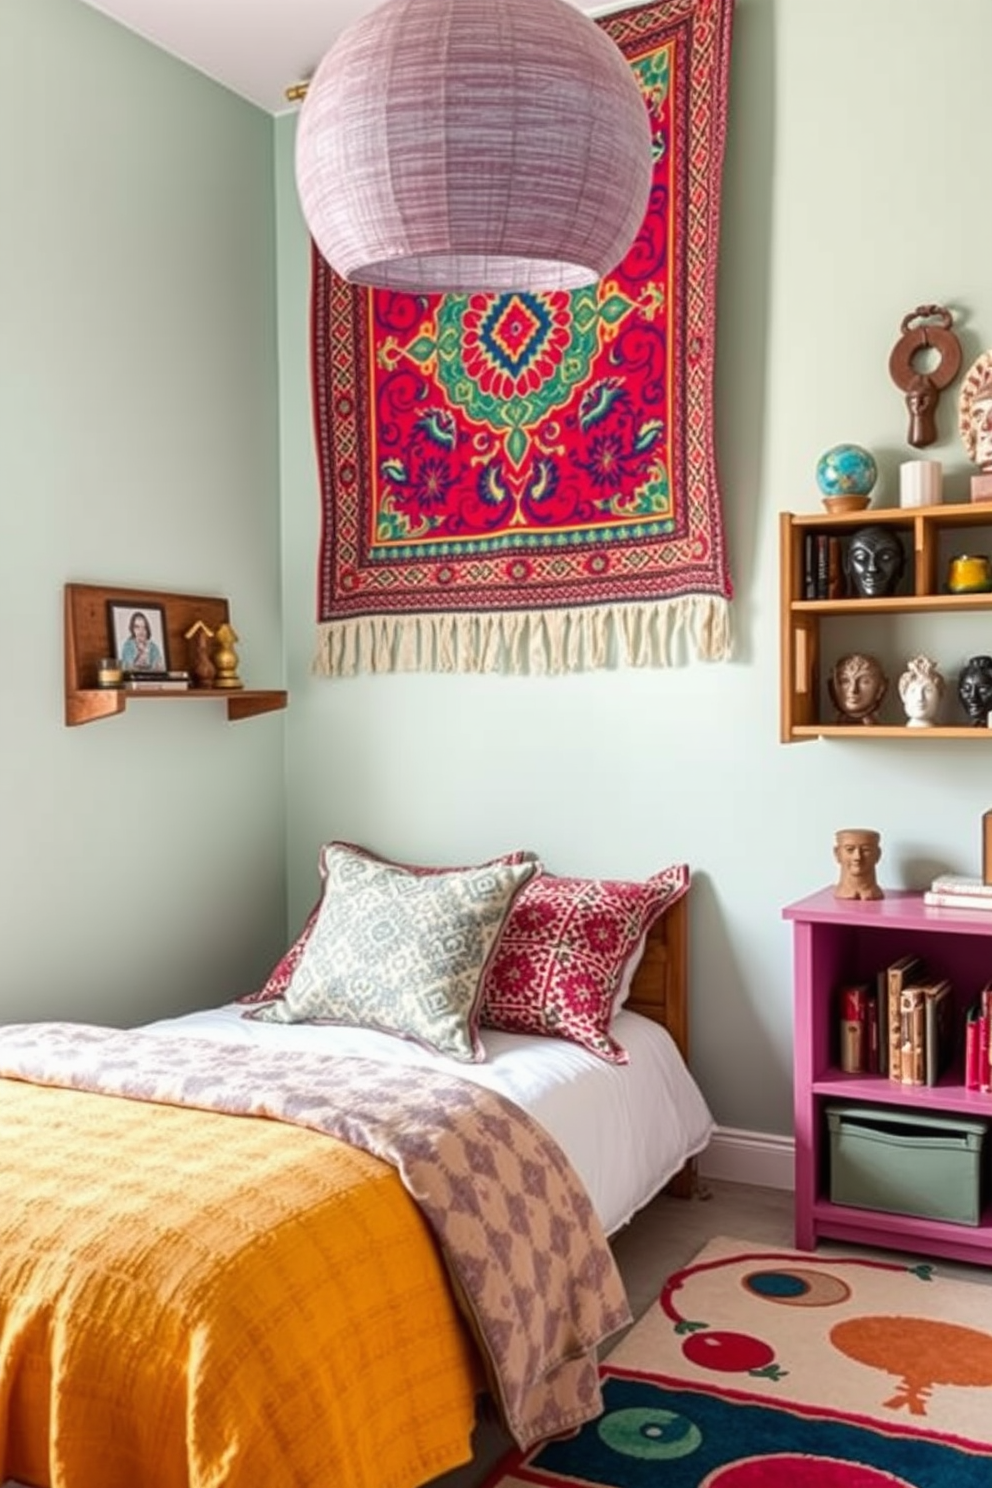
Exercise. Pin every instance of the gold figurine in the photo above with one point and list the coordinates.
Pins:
(226, 658)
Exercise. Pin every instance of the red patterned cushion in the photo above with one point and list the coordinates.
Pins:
(281, 974)
(563, 952)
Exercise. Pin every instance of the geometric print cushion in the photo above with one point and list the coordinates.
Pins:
(563, 953)
(400, 951)
(280, 976)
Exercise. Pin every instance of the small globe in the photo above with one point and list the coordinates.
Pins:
(846, 470)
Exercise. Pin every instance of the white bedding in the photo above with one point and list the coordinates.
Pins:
(626, 1128)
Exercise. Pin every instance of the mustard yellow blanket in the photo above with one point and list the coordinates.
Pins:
(191, 1301)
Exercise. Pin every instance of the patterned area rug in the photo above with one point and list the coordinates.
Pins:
(778, 1369)
(527, 481)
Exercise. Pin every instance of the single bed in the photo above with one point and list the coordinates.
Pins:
(188, 1300)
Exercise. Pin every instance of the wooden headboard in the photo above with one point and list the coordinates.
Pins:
(660, 991)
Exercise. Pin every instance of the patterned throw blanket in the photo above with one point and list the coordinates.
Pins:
(528, 1259)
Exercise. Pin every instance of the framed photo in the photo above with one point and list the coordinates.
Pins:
(137, 635)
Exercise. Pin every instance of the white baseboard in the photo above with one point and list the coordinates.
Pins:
(749, 1157)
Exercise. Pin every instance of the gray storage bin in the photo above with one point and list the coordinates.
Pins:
(908, 1162)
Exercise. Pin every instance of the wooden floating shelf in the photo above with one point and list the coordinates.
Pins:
(896, 605)
(87, 704)
(801, 619)
(887, 731)
(87, 640)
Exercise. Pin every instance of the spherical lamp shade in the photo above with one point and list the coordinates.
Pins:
(459, 145)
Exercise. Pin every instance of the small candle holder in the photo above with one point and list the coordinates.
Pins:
(109, 672)
(970, 573)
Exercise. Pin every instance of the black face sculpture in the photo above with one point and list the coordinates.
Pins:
(975, 689)
(875, 561)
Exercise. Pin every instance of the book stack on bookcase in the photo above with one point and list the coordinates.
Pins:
(823, 566)
(157, 681)
(955, 891)
(900, 1024)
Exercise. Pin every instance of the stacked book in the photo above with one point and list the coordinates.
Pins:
(919, 1022)
(156, 681)
(900, 1024)
(823, 567)
(955, 891)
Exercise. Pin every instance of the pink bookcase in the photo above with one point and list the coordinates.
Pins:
(837, 940)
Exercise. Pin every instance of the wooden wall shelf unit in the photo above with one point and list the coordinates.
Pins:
(87, 640)
(839, 940)
(921, 529)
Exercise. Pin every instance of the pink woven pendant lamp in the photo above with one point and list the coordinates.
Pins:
(460, 145)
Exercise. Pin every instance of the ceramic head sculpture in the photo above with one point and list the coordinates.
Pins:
(921, 688)
(857, 850)
(975, 689)
(875, 561)
(857, 686)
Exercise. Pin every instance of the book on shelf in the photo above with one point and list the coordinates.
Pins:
(901, 973)
(938, 1036)
(912, 1035)
(137, 678)
(960, 883)
(161, 683)
(809, 565)
(823, 566)
(836, 587)
(882, 1019)
(945, 899)
(977, 1040)
(152, 674)
(972, 1039)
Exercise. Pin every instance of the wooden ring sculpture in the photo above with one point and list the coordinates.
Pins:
(925, 327)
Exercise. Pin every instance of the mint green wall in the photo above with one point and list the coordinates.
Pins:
(154, 407)
(141, 858)
(853, 193)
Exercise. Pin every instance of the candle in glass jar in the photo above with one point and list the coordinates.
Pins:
(109, 672)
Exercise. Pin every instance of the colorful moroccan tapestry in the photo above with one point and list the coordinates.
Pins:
(527, 481)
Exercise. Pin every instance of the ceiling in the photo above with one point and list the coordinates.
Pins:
(257, 48)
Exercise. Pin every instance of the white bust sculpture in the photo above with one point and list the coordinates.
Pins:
(921, 688)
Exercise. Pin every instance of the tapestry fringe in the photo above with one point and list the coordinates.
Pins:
(537, 642)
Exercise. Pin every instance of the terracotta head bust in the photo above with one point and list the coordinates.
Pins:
(857, 686)
(857, 850)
